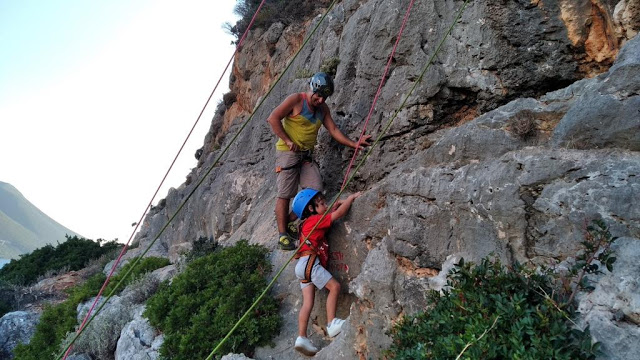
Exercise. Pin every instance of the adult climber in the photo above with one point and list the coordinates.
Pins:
(296, 122)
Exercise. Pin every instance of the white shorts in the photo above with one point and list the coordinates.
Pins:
(319, 275)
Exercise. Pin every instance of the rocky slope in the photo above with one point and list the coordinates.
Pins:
(524, 129)
(455, 175)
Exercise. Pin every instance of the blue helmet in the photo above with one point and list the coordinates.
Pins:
(301, 201)
(321, 84)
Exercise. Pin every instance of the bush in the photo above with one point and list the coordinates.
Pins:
(141, 289)
(8, 294)
(303, 73)
(522, 124)
(330, 66)
(100, 338)
(273, 11)
(58, 320)
(201, 247)
(205, 301)
(73, 254)
(491, 313)
(144, 266)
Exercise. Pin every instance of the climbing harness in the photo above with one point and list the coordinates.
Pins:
(305, 156)
(311, 261)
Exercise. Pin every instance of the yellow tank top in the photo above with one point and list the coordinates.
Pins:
(303, 128)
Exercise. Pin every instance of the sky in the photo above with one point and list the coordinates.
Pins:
(96, 98)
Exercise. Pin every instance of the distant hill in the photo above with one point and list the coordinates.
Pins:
(23, 227)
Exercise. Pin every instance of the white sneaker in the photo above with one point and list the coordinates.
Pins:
(334, 327)
(305, 346)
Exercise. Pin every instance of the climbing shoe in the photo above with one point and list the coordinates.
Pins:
(334, 327)
(286, 242)
(292, 229)
(305, 346)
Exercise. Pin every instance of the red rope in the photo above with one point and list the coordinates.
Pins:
(124, 249)
(375, 99)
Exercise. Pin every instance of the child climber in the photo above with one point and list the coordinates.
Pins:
(310, 205)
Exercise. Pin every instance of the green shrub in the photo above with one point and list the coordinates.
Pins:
(273, 11)
(303, 73)
(144, 266)
(203, 303)
(4, 308)
(330, 66)
(58, 320)
(201, 247)
(491, 312)
(597, 246)
(73, 254)
(8, 293)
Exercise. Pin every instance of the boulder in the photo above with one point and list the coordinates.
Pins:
(16, 328)
(138, 339)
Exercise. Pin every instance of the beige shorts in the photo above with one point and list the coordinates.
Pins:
(319, 275)
(293, 171)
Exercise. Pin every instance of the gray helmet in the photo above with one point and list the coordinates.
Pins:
(321, 84)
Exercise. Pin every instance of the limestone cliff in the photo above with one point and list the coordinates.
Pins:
(456, 175)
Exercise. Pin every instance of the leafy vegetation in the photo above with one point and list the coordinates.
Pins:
(73, 254)
(330, 66)
(57, 320)
(204, 302)
(201, 247)
(100, 338)
(8, 295)
(492, 312)
(303, 73)
(597, 246)
(5, 306)
(273, 11)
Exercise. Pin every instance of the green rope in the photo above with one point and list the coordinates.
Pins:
(224, 151)
(330, 206)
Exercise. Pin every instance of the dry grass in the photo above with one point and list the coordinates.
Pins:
(523, 124)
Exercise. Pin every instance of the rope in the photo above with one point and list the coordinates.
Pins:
(277, 275)
(375, 143)
(375, 99)
(224, 151)
(124, 249)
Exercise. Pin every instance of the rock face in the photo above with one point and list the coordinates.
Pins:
(138, 340)
(525, 128)
(612, 310)
(16, 328)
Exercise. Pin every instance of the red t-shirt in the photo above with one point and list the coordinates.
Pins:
(317, 238)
